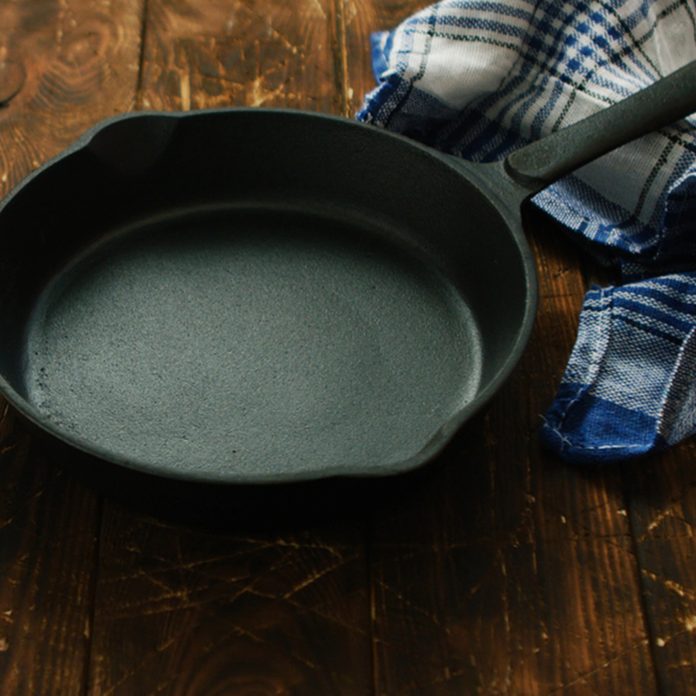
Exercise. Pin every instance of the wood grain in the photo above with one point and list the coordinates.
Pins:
(193, 611)
(662, 507)
(237, 52)
(236, 610)
(80, 64)
(48, 525)
(63, 66)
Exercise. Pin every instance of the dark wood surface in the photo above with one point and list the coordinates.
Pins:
(497, 570)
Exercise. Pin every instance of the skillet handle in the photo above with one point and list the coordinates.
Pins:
(539, 164)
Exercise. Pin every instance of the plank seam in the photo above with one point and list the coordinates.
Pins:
(89, 638)
(141, 56)
(341, 58)
(642, 589)
(371, 605)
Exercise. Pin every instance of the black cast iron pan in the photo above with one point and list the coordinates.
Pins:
(255, 295)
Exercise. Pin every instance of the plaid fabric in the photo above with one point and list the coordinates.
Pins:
(480, 78)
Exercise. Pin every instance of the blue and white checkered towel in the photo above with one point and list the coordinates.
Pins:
(480, 78)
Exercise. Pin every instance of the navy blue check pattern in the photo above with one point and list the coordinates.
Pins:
(480, 78)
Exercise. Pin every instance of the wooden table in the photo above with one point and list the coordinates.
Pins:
(498, 570)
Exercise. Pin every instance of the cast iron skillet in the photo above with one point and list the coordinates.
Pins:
(253, 295)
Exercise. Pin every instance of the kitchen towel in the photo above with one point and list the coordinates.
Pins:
(480, 78)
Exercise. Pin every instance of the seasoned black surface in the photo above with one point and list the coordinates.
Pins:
(252, 344)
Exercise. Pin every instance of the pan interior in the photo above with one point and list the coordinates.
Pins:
(251, 343)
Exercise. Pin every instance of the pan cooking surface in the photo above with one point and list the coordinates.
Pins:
(252, 343)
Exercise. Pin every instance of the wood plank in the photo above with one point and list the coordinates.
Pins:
(192, 597)
(48, 524)
(505, 571)
(662, 508)
(63, 66)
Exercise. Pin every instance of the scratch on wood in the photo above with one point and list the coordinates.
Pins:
(581, 531)
(260, 95)
(162, 605)
(671, 585)
(169, 566)
(448, 675)
(655, 522)
(317, 5)
(408, 603)
(185, 90)
(662, 641)
(290, 543)
(161, 610)
(311, 579)
(246, 633)
(252, 590)
(506, 620)
(157, 650)
(582, 677)
(172, 565)
(328, 617)
(283, 39)
(271, 29)
(60, 21)
(345, 92)
(375, 662)
(233, 597)
(140, 101)
(680, 665)
(169, 591)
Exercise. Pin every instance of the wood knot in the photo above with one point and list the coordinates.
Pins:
(12, 78)
(85, 46)
(89, 42)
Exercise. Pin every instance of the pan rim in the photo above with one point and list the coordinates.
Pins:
(279, 474)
